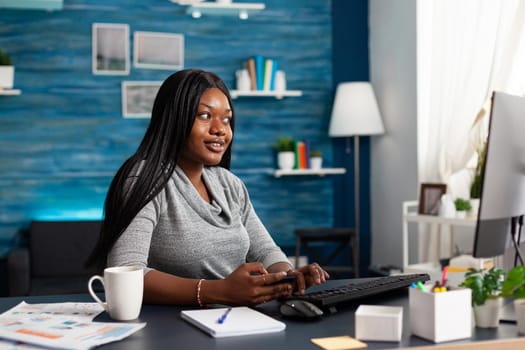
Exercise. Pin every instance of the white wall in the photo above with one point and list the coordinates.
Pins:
(394, 154)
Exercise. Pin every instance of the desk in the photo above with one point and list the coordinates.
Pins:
(166, 330)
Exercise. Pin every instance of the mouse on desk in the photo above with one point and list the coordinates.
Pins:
(300, 309)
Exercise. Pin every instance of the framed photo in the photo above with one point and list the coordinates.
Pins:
(430, 198)
(158, 50)
(110, 49)
(138, 97)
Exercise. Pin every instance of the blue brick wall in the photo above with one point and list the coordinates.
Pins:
(62, 140)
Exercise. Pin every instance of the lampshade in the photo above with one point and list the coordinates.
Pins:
(355, 111)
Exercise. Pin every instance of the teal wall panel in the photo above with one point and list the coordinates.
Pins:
(350, 40)
(63, 138)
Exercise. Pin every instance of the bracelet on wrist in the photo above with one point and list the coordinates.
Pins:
(199, 285)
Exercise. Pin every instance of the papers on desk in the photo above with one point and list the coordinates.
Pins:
(60, 326)
(239, 321)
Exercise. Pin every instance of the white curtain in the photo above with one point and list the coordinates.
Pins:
(466, 49)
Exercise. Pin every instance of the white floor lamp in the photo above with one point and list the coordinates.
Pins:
(355, 112)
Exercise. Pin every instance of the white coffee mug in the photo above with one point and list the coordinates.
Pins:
(123, 288)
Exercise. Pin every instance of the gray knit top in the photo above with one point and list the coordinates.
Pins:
(178, 232)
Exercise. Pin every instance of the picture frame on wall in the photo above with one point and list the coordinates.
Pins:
(158, 50)
(430, 198)
(110, 49)
(138, 98)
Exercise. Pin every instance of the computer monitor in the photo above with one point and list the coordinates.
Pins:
(503, 179)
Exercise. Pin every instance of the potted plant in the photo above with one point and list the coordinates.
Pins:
(475, 187)
(285, 148)
(462, 206)
(316, 159)
(7, 71)
(514, 288)
(486, 286)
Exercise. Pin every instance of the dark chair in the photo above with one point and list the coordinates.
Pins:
(53, 262)
(344, 238)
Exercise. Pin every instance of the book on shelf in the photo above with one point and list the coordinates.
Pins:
(300, 155)
(268, 64)
(250, 65)
(307, 153)
(275, 66)
(296, 155)
(262, 72)
(259, 71)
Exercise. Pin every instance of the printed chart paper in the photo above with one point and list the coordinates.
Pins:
(61, 326)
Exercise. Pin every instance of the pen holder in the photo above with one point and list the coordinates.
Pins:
(441, 316)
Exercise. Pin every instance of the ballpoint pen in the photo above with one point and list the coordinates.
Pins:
(224, 315)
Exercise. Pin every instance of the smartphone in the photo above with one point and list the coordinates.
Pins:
(287, 279)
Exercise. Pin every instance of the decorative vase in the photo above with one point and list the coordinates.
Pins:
(447, 209)
(487, 315)
(243, 80)
(316, 163)
(7, 77)
(286, 160)
(519, 307)
(280, 81)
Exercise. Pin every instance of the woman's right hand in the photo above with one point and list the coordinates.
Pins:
(250, 284)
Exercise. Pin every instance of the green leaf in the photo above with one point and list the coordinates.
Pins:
(514, 284)
(484, 284)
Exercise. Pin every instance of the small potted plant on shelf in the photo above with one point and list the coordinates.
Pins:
(316, 159)
(486, 286)
(514, 288)
(285, 148)
(462, 206)
(7, 71)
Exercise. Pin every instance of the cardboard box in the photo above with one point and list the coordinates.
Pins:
(441, 316)
(379, 323)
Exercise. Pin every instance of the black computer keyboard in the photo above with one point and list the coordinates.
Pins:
(360, 288)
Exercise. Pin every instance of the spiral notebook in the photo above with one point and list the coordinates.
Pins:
(239, 321)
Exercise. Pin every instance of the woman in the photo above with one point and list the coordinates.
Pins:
(175, 208)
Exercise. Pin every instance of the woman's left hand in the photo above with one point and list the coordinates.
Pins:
(308, 275)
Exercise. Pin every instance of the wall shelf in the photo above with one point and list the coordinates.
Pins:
(10, 92)
(242, 9)
(257, 93)
(319, 172)
(33, 4)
